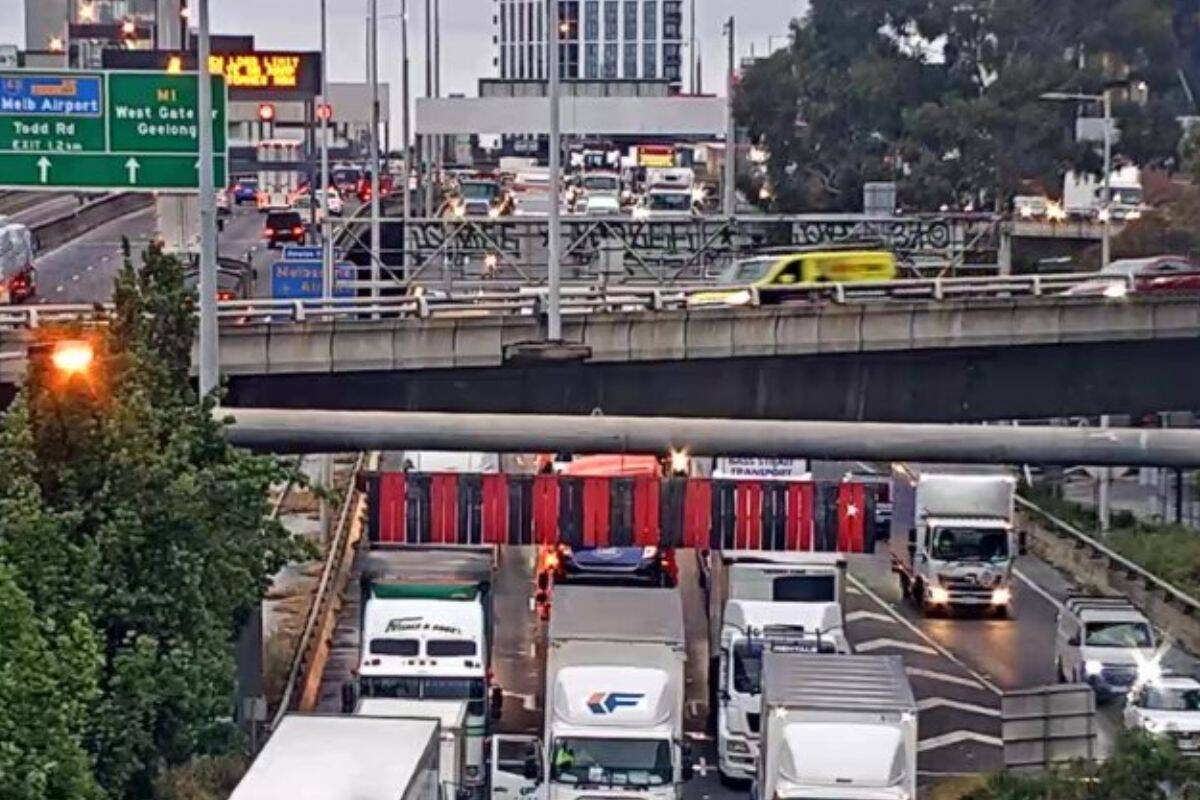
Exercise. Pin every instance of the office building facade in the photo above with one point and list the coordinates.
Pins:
(601, 40)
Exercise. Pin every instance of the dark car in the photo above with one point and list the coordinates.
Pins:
(245, 190)
(346, 180)
(284, 226)
(646, 566)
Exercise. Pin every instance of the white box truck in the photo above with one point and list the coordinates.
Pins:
(614, 700)
(451, 716)
(426, 635)
(322, 757)
(837, 728)
(759, 602)
(958, 522)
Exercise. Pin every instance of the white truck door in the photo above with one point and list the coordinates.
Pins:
(509, 756)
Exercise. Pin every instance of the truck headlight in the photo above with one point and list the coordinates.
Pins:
(938, 594)
(736, 746)
(1092, 667)
(1149, 672)
(1001, 596)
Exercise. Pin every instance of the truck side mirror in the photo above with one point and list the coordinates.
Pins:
(1022, 542)
(1073, 641)
(497, 704)
(912, 537)
(532, 773)
(686, 769)
(349, 697)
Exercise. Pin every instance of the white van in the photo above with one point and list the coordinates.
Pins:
(1105, 642)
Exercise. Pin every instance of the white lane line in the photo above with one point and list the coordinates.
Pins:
(1049, 598)
(896, 644)
(957, 737)
(945, 677)
(855, 616)
(923, 635)
(852, 590)
(971, 708)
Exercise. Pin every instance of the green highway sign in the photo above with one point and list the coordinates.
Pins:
(105, 130)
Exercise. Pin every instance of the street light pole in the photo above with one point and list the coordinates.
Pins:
(1106, 207)
(373, 79)
(426, 141)
(210, 376)
(730, 204)
(554, 267)
(327, 276)
(406, 132)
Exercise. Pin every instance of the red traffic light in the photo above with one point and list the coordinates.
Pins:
(266, 112)
(324, 112)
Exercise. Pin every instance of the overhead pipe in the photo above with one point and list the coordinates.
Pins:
(306, 431)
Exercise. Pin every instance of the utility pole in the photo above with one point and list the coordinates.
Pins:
(730, 202)
(327, 276)
(426, 140)
(405, 133)
(439, 142)
(695, 57)
(373, 79)
(554, 268)
(1106, 207)
(210, 375)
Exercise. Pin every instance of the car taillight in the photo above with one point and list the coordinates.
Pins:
(298, 230)
(224, 295)
(269, 232)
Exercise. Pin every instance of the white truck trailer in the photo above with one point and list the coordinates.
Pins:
(958, 522)
(451, 716)
(837, 728)
(321, 757)
(765, 602)
(614, 699)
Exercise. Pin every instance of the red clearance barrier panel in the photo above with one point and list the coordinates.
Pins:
(598, 511)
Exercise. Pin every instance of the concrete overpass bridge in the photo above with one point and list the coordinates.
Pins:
(1013, 351)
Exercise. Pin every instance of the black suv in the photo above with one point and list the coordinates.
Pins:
(284, 226)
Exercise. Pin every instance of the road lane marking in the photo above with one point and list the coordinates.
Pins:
(957, 737)
(1051, 599)
(945, 677)
(880, 644)
(852, 590)
(855, 616)
(923, 635)
(930, 703)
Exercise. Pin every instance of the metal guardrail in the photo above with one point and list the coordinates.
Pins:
(322, 602)
(581, 299)
(57, 232)
(1114, 558)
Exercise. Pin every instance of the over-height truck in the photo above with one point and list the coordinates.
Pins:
(837, 728)
(958, 522)
(614, 700)
(762, 602)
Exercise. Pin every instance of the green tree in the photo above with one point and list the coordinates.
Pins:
(47, 681)
(168, 521)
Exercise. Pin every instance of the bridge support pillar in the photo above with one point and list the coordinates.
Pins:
(1004, 251)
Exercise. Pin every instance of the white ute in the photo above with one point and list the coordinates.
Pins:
(1105, 642)
(837, 728)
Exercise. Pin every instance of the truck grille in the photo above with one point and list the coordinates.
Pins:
(752, 721)
(1119, 675)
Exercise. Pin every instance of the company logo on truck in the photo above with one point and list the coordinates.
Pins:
(609, 702)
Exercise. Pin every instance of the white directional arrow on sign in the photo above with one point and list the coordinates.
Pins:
(133, 166)
(43, 164)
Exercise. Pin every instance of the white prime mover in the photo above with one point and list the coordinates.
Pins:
(837, 728)
(428, 639)
(323, 757)
(961, 542)
(759, 602)
(451, 716)
(614, 700)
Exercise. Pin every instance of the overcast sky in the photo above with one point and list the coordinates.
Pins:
(467, 49)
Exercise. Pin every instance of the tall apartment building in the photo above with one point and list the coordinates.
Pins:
(601, 39)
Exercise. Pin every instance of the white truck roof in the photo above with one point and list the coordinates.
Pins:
(318, 757)
(617, 613)
(449, 713)
(836, 682)
(760, 614)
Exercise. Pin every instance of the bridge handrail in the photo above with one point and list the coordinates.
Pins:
(432, 302)
(1113, 556)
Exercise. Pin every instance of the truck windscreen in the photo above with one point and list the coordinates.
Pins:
(395, 647)
(612, 762)
(804, 589)
(450, 647)
(969, 544)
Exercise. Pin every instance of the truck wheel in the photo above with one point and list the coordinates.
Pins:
(927, 609)
(1002, 612)
(905, 586)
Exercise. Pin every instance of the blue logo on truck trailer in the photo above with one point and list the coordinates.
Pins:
(608, 702)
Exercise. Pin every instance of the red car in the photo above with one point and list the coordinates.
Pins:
(1175, 274)
(386, 184)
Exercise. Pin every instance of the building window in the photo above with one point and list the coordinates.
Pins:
(672, 19)
(591, 20)
(650, 61)
(672, 62)
(631, 49)
(504, 24)
(610, 60)
(650, 19)
(611, 20)
(591, 60)
(631, 20)
(541, 61)
(520, 62)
